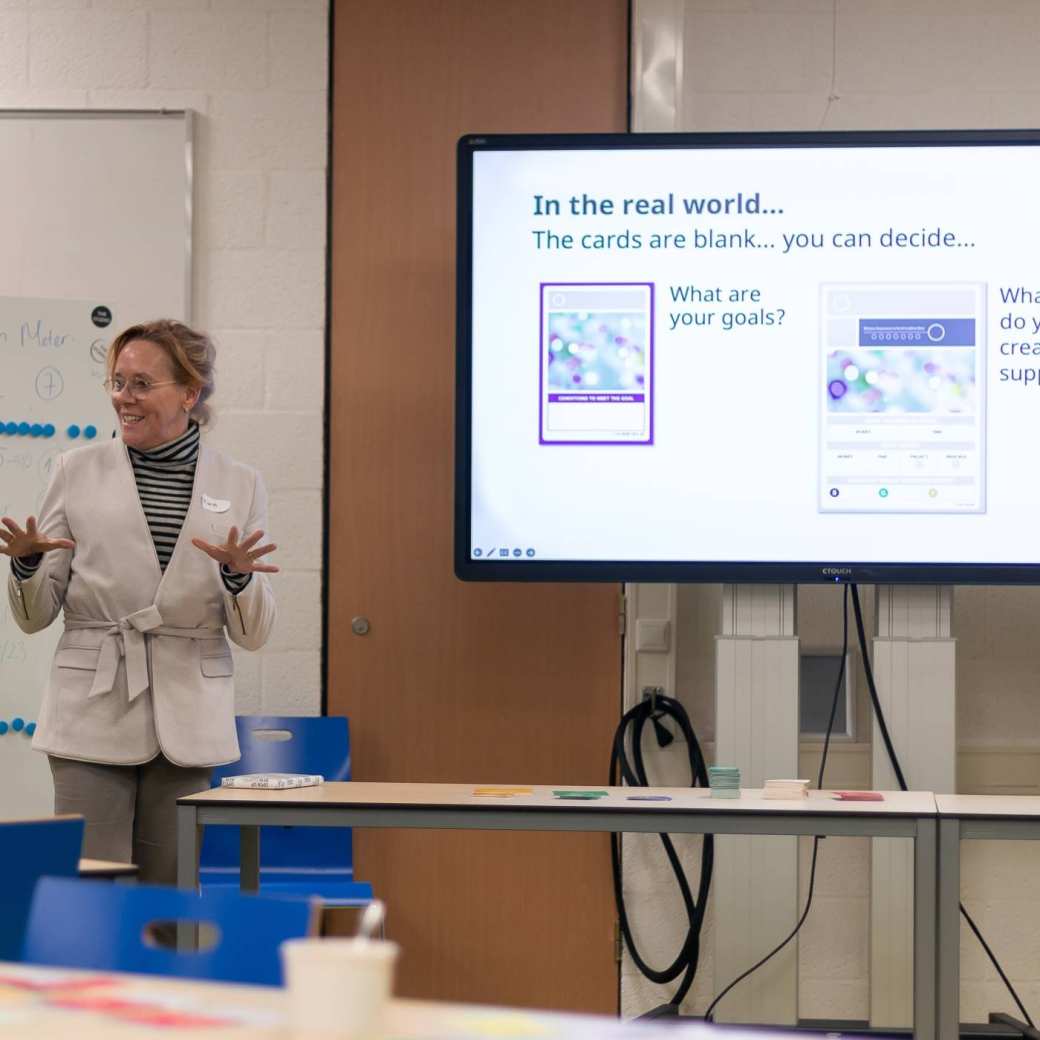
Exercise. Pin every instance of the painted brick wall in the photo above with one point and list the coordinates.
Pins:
(255, 71)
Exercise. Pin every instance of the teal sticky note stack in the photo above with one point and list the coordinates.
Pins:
(724, 781)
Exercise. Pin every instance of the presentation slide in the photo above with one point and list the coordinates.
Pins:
(775, 354)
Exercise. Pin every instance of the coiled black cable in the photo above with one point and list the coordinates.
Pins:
(690, 952)
(631, 768)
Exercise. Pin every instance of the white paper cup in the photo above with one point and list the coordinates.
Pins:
(338, 988)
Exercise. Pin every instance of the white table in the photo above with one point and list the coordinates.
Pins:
(690, 811)
(1006, 817)
(58, 1003)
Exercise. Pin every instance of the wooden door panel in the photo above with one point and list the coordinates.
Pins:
(503, 683)
(499, 917)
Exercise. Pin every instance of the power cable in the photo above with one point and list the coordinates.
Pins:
(880, 716)
(688, 955)
(709, 1014)
(633, 771)
(900, 779)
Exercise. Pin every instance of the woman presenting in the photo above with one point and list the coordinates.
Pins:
(150, 545)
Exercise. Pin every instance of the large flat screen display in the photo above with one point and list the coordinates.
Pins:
(756, 357)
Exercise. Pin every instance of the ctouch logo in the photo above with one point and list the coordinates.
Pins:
(837, 570)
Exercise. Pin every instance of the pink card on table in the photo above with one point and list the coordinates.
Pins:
(48, 984)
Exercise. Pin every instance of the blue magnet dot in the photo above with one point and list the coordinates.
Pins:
(48, 430)
(73, 431)
(36, 429)
(30, 729)
(11, 428)
(90, 432)
(3, 728)
(23, 428)
(17, 724)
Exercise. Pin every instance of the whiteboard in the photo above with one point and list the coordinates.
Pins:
(95, 235)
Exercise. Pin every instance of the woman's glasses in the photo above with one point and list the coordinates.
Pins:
(136, 387)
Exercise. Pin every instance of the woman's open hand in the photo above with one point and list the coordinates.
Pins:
(240, 557)
(17, 542)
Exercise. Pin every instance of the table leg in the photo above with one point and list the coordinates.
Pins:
(925, 930)
(188, 843)
(189, 835)
(949, 927)
(249, 859)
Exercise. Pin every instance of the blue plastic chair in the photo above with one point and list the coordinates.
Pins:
(32, 848)
(95, 924)
(310, 861)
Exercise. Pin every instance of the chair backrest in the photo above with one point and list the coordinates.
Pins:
(308, 744)
(30, 849)
(96, 924)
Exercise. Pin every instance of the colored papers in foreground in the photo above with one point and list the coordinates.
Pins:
(38, 994)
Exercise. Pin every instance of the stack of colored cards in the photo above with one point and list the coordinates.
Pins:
(786, 789)
(724, 781)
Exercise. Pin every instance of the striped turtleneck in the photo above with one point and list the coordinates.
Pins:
(165, 478)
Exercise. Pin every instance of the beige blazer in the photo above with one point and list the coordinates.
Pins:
(143, 665)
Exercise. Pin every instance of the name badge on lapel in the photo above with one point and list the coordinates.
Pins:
(215, 505)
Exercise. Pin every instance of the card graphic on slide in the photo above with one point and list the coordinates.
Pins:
(902, 401)
(596, 376)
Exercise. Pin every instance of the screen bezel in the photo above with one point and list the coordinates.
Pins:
(734, 571)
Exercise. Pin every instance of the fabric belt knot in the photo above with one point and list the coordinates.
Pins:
(127, 639)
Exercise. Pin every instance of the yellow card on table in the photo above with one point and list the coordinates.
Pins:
(501, 792)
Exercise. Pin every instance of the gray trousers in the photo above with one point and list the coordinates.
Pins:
(131, 811)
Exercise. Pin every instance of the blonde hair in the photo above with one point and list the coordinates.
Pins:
(191, 353)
